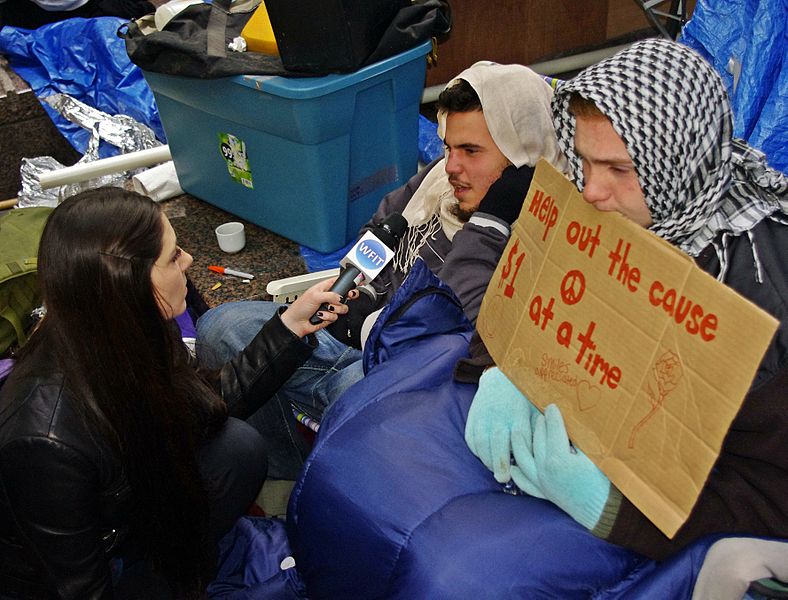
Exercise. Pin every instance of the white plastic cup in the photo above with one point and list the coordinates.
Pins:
(231, 236)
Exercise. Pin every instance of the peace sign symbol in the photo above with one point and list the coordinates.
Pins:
(573, 287)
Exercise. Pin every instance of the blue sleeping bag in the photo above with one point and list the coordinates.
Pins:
(392, 504)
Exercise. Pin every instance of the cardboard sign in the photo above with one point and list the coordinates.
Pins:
(645, 354)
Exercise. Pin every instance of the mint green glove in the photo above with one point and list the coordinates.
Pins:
(557, 471)
(498, 412)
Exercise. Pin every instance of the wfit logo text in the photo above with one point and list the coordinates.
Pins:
(370, 255)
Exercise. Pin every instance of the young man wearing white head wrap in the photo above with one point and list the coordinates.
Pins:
(496, 122)
(648, 134)
(494, 119)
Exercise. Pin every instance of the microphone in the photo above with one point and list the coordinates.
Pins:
(367, 258)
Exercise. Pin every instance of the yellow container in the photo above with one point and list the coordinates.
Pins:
(259, 34)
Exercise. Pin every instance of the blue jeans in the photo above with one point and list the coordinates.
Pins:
(225, 330)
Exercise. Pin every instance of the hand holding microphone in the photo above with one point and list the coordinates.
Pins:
(368, 257)
(298, 316)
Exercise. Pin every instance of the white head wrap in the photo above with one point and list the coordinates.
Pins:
(516, 107)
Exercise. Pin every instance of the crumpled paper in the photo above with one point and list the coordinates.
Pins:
(158, 183)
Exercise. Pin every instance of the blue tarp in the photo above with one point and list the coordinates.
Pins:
(753, 34)
(430, 145)
(85, 59)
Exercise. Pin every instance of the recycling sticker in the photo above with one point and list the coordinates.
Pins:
(234, 153)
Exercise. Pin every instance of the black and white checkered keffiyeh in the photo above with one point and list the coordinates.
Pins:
(672, 111)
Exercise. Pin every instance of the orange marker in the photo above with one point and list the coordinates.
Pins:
(225, 271)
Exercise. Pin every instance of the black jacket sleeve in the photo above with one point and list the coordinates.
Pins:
(58, 516)
(260, 369)
(469, 265)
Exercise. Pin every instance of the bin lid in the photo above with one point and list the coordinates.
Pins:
(313, 87)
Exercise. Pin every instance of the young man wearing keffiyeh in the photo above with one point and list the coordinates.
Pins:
(647, 133)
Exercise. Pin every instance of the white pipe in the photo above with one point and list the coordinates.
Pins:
(548, 67)
(104, 166)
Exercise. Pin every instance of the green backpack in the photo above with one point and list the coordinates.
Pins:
(20, 232)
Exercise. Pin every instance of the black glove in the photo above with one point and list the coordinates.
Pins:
(505, 197)
(347, 328)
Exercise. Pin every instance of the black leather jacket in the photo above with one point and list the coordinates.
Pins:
(64, 500)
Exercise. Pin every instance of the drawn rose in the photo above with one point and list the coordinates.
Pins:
(668, 372)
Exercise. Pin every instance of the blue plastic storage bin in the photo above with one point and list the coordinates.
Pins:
(307, 158)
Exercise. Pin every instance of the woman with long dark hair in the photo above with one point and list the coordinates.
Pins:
(121, 466)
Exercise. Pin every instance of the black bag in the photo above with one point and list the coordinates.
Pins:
(319, 36)
(194, 42)
(326, 36)
(413, 25)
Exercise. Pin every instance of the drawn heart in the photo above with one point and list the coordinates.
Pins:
(587, 395)
(490, 324)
